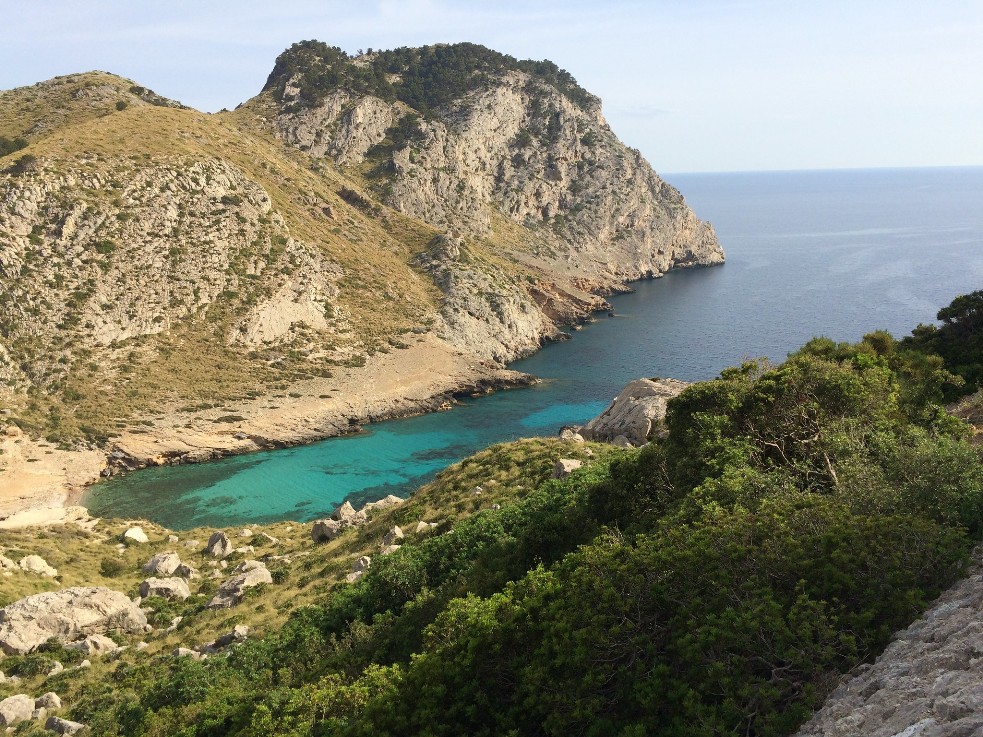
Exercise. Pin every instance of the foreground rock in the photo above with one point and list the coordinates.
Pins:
(249, 573)
(67, 615)
(635, 412)
(927, 683)
(15, 709)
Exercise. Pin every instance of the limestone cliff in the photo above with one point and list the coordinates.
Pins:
(151, 255)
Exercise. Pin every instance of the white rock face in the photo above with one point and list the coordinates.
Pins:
(174, 589)
(15, 709)
(927, 683)
(635, 411)
(248, 573)
(68, 615)
(136, 535)
(37, 564)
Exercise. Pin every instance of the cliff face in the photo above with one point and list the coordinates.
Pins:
(148, 251)
(512, 160)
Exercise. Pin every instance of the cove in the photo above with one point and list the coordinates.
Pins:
(835, 253)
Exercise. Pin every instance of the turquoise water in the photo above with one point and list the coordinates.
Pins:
(808, 253)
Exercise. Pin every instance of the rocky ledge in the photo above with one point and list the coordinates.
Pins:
(927, 683)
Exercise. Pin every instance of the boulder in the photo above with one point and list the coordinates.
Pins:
(635, 412)
(6, 564)
(186, 571)
(219, 545)
(362, 564)
(347, 515)
(15, 709)
(385, 503)
(135, 535)
(63, 726)
(389, 549)
(326, 530)
(67, 615)
(238, 634)
(245, 532)
(94, 645)
(354, 576)
(569, 433)
(565, 466)
(249, 573)
(193, 544)
(174, 589)
(392, 537)
(162, 564)
(422, 526)
(37, 564)
(186, 652)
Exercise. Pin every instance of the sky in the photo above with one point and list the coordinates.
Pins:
(696, 85)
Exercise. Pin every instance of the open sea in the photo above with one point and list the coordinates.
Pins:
(834, 253)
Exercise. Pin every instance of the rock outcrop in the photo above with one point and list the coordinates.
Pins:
(927, 683)
(635, 412)
(249, 573)
(67, 615)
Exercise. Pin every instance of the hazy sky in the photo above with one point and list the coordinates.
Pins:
(697, 85)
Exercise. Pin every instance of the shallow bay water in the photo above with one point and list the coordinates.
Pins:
(835, 253)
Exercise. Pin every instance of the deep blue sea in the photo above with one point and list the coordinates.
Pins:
(834, 253)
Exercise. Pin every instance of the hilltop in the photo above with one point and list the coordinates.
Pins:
(367, 237)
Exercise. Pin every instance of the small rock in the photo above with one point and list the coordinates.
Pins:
(174, 624)
(15, 709)
(386, 502)
(425, 526)
(325, 530)
(6, 564)
(571, 434)
(362, 564)
(142, 645)
(172, 538)
(186, 571)
(49, 700)
(354, 576)
(219, 545)
(392, 537)
(63, 726)
(390, 549)
(56, 668)
(135, 535)
(94, 645)
(345, 513)
(186, 652)
(238, 634)
(245, 549)
(565, 466)
(192, 544)
(245, 532)
(270, 539)
(84, 664)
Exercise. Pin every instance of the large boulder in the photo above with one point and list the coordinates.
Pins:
(16, 709)
(219, 545)
(37, 564)
(67, 615)
(639, 408)
(248, 573)
(166, 588)
(162, 564)
(326, 530)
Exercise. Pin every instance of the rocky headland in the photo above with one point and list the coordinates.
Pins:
(345, 247)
